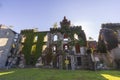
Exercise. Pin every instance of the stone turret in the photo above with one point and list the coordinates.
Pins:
(65, 23)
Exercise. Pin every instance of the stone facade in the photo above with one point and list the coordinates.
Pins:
(70, 41)
(7, 40)
(62, 47)
(108, 44)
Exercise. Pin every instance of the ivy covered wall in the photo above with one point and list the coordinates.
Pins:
(70, 31)
(32, 46)
(34, 42)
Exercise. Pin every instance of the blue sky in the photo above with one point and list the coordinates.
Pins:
(90, 14)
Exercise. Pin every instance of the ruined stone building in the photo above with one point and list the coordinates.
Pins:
(9, 44)
(59, 46)
(108, 44)
(69, 41)
(63, 47)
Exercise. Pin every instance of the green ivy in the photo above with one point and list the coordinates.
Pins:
(27, 44)
(102, 47)
(40, 43)
(32, 54)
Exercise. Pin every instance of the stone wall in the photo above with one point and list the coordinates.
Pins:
(6, 41)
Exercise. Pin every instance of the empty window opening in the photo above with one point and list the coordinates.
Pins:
(77, 47)
(55, 37)
(76, 36)
(65, 37)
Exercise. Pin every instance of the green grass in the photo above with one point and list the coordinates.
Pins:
(52, 74)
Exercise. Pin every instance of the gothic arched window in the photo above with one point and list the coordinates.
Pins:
(55, 38)
(45, 38)
(75, 36)
(65, 37)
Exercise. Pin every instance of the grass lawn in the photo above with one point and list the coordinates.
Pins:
(52, 74)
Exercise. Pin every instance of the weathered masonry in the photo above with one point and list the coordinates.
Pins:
(60, 44)
(9, 44)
